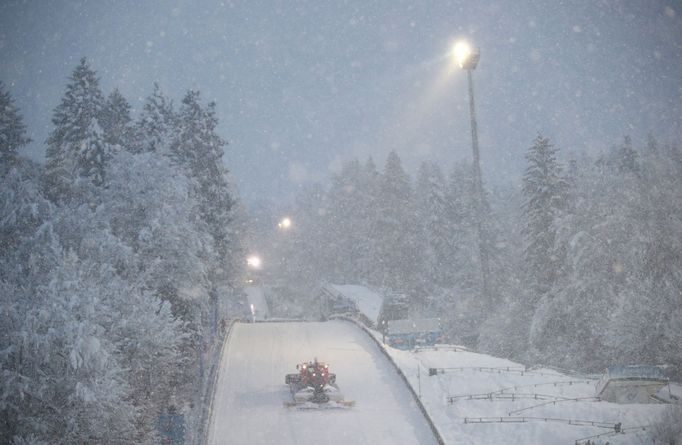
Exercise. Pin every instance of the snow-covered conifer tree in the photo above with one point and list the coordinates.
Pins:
(12, 129)
(199, 149)
(76, 149)
(544, 189)
(432, 215)
(156, 125)
(368, 189)
(344, 239)
(395, 227)
(116, 121)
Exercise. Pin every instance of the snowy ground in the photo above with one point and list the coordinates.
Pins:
(248, 404)
(488, 389)
(478, 375)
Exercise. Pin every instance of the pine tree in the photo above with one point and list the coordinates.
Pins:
(367, 216)
(197, 129)
(397, 253)
(200, 150)
(12, 128)
(432, 214)
(544, 189)
(343, 211)
(157, 123)
(76, 148)
(116, 120)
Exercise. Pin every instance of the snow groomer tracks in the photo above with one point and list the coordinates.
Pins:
(248, 405)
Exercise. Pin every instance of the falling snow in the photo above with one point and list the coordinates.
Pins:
(172, 172)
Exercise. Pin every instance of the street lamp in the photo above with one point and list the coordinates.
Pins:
(467, 59)
(466, 56)
(254, 262)
(284, 224)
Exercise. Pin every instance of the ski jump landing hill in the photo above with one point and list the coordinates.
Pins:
(248, 405)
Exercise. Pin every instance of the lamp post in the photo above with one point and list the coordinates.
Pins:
(467, 58)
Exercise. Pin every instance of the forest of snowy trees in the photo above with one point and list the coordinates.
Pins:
(585, 255)
(118, 260)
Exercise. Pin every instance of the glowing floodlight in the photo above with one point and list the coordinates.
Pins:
(466, 56)
(285, 223)
(254, 262)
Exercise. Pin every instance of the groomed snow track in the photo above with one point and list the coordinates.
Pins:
(248, 405)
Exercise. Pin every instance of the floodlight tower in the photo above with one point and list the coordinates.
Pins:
(467, 58)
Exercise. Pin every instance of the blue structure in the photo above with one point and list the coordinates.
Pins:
(408, 334)
(635, 372)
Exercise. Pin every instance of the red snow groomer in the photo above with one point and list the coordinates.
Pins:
(314, 387)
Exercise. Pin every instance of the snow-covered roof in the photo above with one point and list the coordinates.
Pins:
(408, 326)
(369, 302)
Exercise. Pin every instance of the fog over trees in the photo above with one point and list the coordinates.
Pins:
(584, 253)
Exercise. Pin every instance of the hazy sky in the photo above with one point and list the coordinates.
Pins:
(302, 86)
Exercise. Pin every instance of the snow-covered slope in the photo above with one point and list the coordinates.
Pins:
(486, 386)
(248, 403)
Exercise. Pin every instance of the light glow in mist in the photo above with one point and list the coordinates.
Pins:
(254, 262)
(461, 51)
